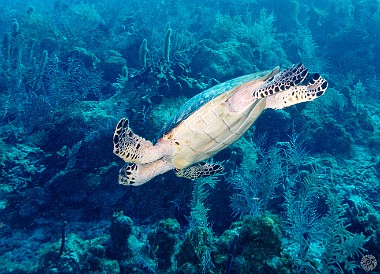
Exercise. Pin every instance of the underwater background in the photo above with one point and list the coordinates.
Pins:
(300, 192)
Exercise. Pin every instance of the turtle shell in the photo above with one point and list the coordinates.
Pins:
(204, 97)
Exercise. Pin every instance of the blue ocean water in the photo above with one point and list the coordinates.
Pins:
(299, 192)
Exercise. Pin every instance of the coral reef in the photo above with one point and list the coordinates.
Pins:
(300, 193)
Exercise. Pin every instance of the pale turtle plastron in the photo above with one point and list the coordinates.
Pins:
(210, 122)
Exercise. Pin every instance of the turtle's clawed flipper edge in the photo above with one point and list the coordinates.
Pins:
(132, 148)
(198, 171)
(311, 88)
(282, 81)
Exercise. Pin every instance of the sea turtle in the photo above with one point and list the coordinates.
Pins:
(211, 121)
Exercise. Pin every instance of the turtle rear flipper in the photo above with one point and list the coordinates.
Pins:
(313, 87)
(133, 174)
(132, 148)
(199, 171)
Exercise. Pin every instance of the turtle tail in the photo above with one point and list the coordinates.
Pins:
(132, 148)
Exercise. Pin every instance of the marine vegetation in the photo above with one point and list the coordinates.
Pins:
(290, 186)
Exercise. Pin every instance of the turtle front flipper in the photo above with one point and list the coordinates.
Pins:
(133, 174)
(282, 81)
(199, 171)
(132, 148)
(311, 88)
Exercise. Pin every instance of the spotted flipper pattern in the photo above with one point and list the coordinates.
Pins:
(133, 174)
(282, 81)
(129, 146)
(127, 174)
(312, 87)
(199, 171)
